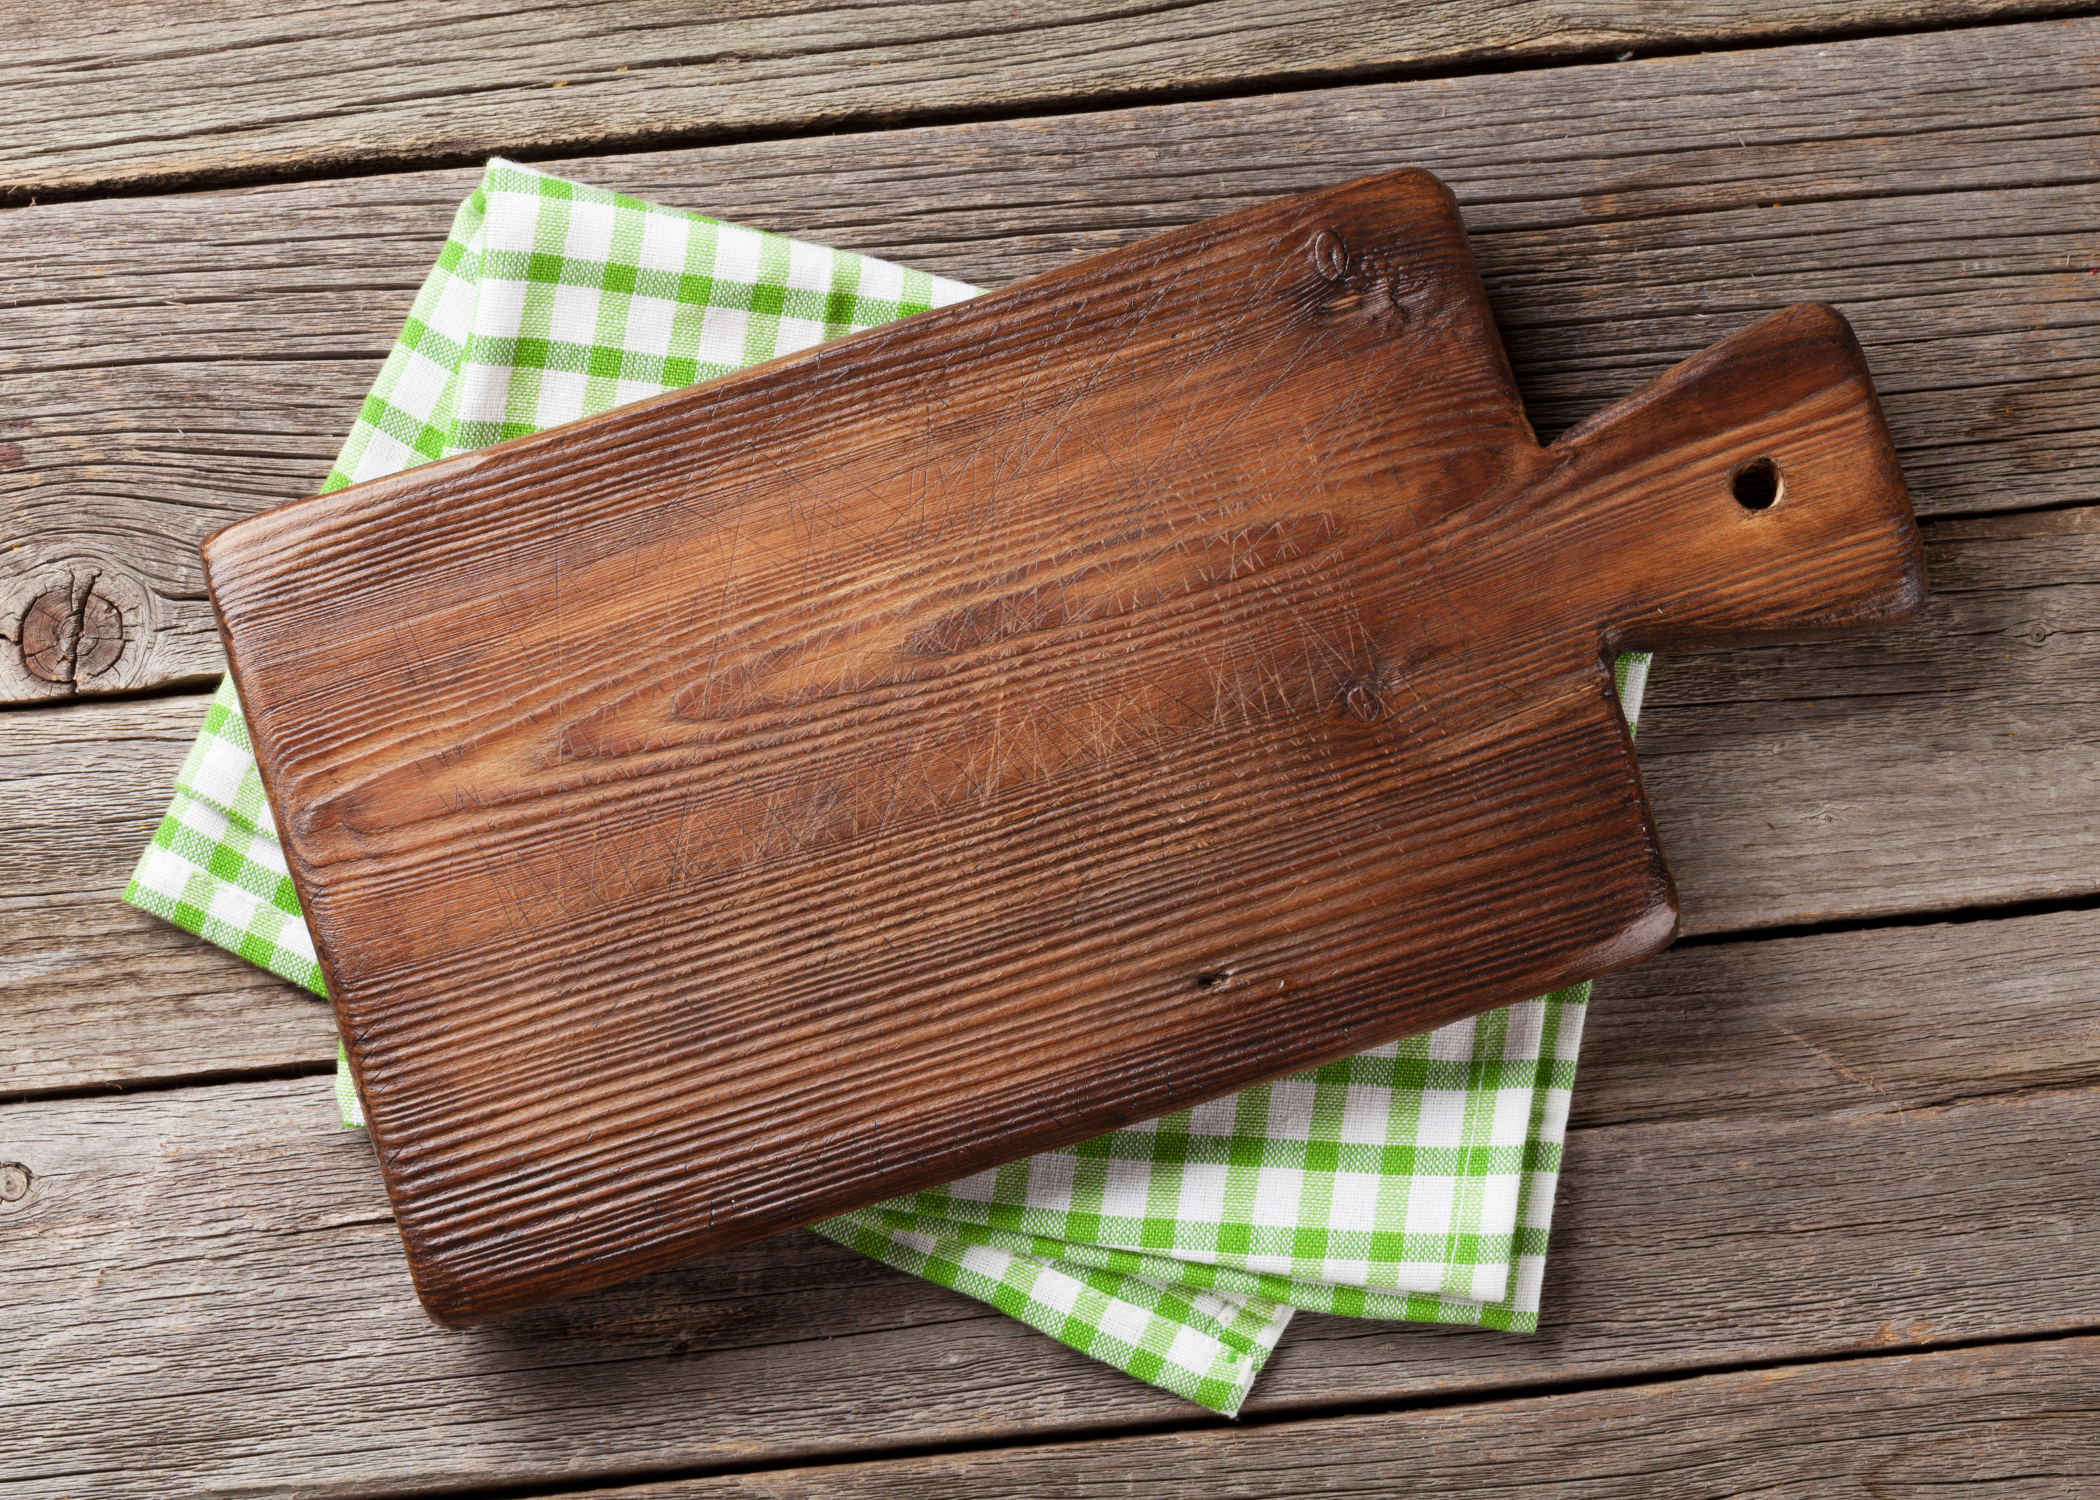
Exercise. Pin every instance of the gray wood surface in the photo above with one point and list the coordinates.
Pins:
(169, 364)
(167, 94)
(93, 992)
(218, 1298)
(98, 995)
(1828, 1220)
(1845, 1022)
(1790, 790)
(2011, 1420)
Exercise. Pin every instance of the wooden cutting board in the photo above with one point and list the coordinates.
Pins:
(966, 737)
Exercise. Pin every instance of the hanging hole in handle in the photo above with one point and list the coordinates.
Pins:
(1757, 485)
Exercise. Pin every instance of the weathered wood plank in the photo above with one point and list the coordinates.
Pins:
(1891, 1018)
(167, 96)
(2002, 1421)
(207, 1281)
(93, 992)
(83, 792)
(1947, 765)
(97, 994)
(171, 364)
(1789, 791)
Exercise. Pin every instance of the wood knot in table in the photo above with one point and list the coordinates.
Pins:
(72, 632)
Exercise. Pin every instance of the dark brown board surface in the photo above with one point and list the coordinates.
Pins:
(1026, 719)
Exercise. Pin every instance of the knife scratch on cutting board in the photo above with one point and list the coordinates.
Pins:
(1191, 654)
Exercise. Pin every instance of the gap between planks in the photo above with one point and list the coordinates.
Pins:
(182, 101)
(2027, 1380)
(2012, 1418)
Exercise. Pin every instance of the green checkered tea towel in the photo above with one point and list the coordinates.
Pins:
(1415, 1181)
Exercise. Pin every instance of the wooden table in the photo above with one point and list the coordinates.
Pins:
(1830, 1221)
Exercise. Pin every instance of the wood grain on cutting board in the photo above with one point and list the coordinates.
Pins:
(963, 738)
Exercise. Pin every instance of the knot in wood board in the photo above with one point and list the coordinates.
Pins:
(72, 633)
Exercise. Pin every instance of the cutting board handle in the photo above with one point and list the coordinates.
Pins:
(1750, 493)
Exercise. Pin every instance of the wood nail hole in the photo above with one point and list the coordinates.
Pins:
(1210, 979)
(1757, 485)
